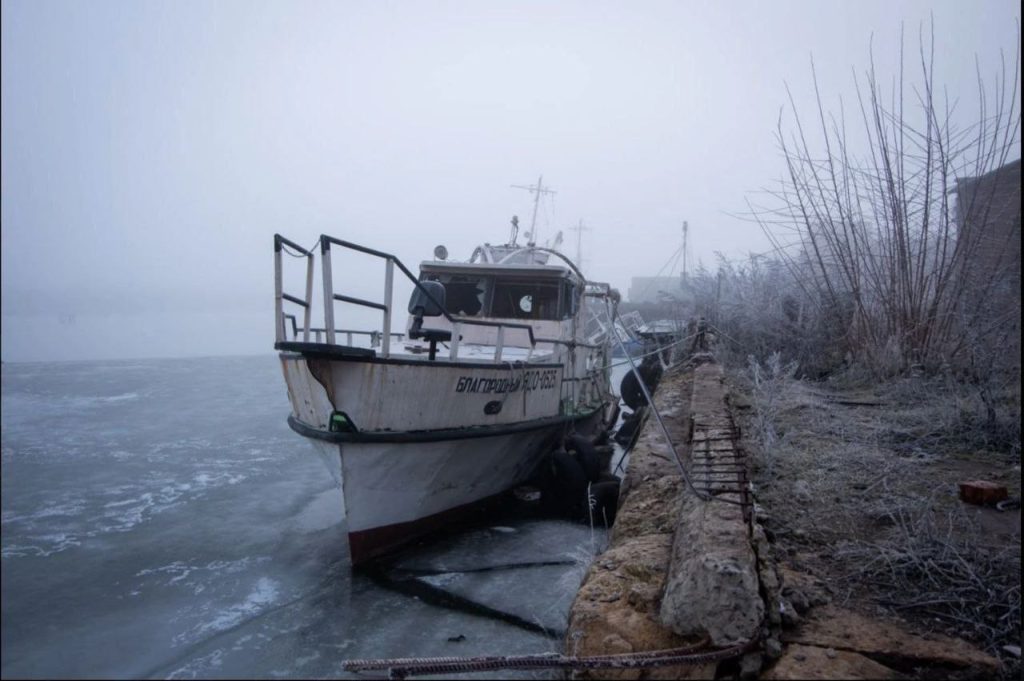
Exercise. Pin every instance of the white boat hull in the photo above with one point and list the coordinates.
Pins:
(401, 480)
(396, 492)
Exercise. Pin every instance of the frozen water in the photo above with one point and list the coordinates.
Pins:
(159, 519)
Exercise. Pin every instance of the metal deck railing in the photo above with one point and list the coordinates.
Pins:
(386, 306)
(280, 296)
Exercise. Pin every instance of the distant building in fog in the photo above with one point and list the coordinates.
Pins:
(988, 211)
(988, 215)
(647, 289)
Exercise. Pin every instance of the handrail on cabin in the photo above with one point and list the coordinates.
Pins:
(330, 296)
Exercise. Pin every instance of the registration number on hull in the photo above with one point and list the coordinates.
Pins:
(535, 379)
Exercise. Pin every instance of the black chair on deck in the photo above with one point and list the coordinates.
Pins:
(428, 300)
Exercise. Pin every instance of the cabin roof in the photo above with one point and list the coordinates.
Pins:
(518, 270)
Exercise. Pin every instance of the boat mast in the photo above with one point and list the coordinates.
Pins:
(537, 190)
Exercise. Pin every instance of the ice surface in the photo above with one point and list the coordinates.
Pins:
(160, 519)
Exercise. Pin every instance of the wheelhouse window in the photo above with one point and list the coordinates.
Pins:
(464, 295)
(473, 295)
(526, 300)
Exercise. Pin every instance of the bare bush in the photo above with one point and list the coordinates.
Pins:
(894, 249)
(931, 563)
(951, 417)
(873, 238)
(767, 383)
(756, 307)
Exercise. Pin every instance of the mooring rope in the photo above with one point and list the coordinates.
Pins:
(402, 667)
(652, 352)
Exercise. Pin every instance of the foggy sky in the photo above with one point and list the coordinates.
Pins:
(151, 149)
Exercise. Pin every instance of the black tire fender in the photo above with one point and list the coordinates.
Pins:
(603, 499)
(650, 370)
(568, 491)
(631, 392)
(586, 456)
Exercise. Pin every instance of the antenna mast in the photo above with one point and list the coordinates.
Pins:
(537, 190)
(579, 229)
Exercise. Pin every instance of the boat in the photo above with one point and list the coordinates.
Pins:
(626, 326)
(502, 356)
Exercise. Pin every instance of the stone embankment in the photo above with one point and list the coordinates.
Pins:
(678, 570)
(688, 564)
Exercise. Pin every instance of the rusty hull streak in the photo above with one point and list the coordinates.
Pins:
(320, 369)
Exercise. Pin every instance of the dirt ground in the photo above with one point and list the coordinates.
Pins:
(857, 491)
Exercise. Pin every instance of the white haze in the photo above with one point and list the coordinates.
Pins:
(151, 149)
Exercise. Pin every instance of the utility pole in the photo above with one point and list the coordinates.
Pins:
(537, 190)
(579, 229)
(686, 229)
